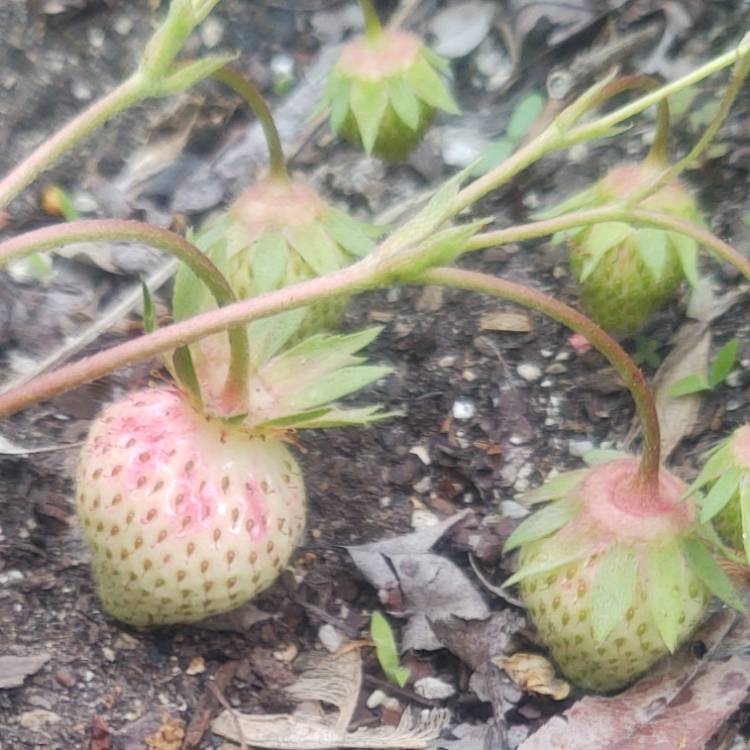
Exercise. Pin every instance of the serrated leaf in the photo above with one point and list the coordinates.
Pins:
(600, 240)
(666, 594)
(723, 363)
(268, 261)
(524, 115)
(386, 650)
(704, 566)
(721, 493)
(441, 249)
(652, 248)
(316, 248)
(561, 553)
(429, 87)
(368, 101)
(269, 335)
(182, 361)
(744, 500)
(690, 384)
(495, 154)
(687, 251)
(327, 417)
(556, 487)
(338, 384)
(149, 313)
(404, 103)
(340, 105)
(333, 351)
(543, 523)
(354, 236)
(289, 421)
(612, 589)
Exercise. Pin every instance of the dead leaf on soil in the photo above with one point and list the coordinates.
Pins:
(427, 587)
(680, 704)
(505, 321)
(533, 673)
(15, 669)
(335, 680)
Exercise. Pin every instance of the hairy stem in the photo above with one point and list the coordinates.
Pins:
(605, 344)
(60, 235)
(249, 92)
(125, 95)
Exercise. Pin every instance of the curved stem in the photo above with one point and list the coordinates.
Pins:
(60, 235)
(125, 95)
(373, 27)
(249, 92)
(605, 344)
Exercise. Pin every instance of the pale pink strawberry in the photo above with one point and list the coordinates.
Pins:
(186, 515)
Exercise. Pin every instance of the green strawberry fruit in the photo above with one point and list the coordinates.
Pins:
(614, 573)
(384, 92)
(626, 273)
(725, 480)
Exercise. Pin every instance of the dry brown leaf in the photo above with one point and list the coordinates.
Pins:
(533, 673)
(505, 321)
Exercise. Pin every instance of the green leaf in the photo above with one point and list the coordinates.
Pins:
(524, 115)
(601, 239)
(337, 384)
(723, 363)
(327, 417)
(687, 251)
(189, 297)
(316, 248)
(334, 350)
(600, 456)
(714, 578)
(182, 362)
(719, 460)
(612, 589)
(689, 384)
(368, 101)
(543, 523)
(268, 336)
(268, 261)
(184, 76)
(65, 204)
(443, 64)
(429, 87)
(721, 493)
(149, 313)
(351, 234)
(556, 487)
(561, 553)
(652, 248)
(340, 105)
(495, 154)
(666, 594)
(745, 514)
(404, 103)
(579, 200)
(385, 648)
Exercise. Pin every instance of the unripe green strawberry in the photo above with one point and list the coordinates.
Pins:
(186, 516)
(614, 577)
(277, 233)
(384, 91)
(626, 273)
(725, 479)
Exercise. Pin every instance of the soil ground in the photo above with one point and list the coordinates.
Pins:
(531, 401)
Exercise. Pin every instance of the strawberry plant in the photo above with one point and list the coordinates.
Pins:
(189, 495)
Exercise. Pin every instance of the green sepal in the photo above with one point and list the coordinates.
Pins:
(563, 552)
(337, 384)
(149, 312)
(316, 248)
(185, 75)
(600, 240)
(268, 261)
(612, 589)
(723, 363)
(744, 500)
(429, 87)
(269, 335)
(542, 523)
(599, 456)
(443, 64)
(368, 101)
(184, 370)
(718, 462)
(556, 487)
(405, 104)
(687, 251)
(721, 493)
(703, 564)
(326, 417)
(188, 294)
(580, 200)
(652, 248)
(666, 590)
(340, 105)
(356, 237)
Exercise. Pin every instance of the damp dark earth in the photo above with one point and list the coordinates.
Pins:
(407, 516)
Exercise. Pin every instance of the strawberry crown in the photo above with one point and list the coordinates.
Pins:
(663, 566)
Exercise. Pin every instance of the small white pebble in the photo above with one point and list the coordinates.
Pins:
(420, 451)
(529, 372)
(423, 485)
(434, 688)
(331, 638)
(512, 509)
(422, 518)
(734, 379)
(108, 653)
(579, 448)
(463, 409)
(386, 502)
(375, 699)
